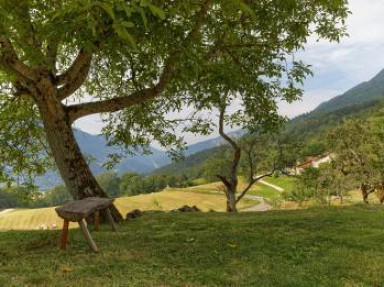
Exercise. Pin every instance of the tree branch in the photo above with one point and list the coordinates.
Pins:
(116, 104)
(11, 61)
(252, 182)
(51, 53)
(73, 78)
(225, 181)
(237, 149)
(221, 129)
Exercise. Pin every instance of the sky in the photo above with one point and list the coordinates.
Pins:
(336, 67)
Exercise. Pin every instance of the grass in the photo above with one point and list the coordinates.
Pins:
(257, 189)
(285, 182)
(314, 247)
(166, 200)
(265, 192)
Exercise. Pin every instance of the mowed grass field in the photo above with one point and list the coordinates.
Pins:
(24, 219)
(257, 189)
(314, 247)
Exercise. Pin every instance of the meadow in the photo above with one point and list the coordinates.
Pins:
(314, 247)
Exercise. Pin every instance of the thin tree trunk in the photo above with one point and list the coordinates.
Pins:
(366, 190)
(231, 201)
(70, 162)
(232, 182)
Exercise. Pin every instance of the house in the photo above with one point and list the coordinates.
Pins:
(313, 161)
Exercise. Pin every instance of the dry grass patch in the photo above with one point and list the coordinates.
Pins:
(46, 218)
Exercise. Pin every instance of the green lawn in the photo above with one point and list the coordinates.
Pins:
(314, 247)
(257, 189)
(265, 191)
(285, 182)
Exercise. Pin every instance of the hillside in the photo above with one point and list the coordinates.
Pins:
(191, 165)
(314, 247)
(372, 90)
(355, 102)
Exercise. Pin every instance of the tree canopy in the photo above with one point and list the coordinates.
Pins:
(137, 61)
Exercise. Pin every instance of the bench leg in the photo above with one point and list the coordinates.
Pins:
(97, 220)
(110, 219)
(88, 236)
(64, 235)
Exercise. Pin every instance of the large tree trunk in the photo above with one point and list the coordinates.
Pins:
(70, 162)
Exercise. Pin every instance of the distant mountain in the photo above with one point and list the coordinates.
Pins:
(195, 156)
(95, 146)
(211, 143)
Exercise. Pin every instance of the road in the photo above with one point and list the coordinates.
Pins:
(6, 211)
(262, 206)
(278, 188)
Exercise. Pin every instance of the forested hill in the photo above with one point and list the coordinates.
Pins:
(356, 101)
(191, 165)
(363, 93)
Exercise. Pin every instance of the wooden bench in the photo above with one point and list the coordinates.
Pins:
(78, 210)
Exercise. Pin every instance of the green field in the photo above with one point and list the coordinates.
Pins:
(265, 191)
(257, 189)
(314, 247)
(285, 182)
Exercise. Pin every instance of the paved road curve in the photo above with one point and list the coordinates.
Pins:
(262, 206)
(6, 211)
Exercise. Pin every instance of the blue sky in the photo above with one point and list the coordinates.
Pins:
(336, 67)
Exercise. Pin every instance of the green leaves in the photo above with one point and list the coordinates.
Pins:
(122, 28)
(156, 11)
(22, 144)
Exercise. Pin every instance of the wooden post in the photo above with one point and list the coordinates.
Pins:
(97, 220)
(64, 235)
(110, 219)
(88, 236)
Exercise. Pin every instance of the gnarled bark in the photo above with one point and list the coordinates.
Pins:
(70, 162)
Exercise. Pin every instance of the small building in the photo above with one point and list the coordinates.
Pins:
(312, 161)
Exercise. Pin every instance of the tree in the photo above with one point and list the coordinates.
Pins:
(110, 182)
(56, 196)
(320, 184)
(255, 150)
(135, 61)
(357, 145)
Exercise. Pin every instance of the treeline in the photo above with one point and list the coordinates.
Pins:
(127, 184)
